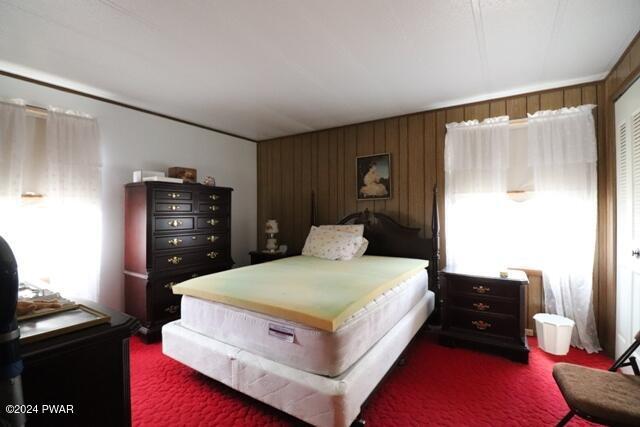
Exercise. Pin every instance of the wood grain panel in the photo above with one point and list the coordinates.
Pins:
(350, 153)
(323, 177)
(392, 137)
(341, 184)
(552, 100)
(517, 107)
(402, 172)
(332, 176)
(497, 108)
(533, 103)
(416, 170)
(572, 97)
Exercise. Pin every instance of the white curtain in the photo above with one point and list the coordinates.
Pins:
(563, 156)
(55, 238)
(12, 137)
(476, 163)
(73, 189)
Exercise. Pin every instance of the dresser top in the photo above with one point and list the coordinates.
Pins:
(183, 185)
(514, 275)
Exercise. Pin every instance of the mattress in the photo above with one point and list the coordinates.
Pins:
(316, 399)
(303, 347)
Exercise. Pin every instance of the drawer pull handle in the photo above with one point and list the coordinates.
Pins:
(481, 289)
(175, 260)
(175, 242)
(212, 255)
(169, 285)
(172, 309)
(481, 325)
(174, 207)
(214, 196)
(212, 238)
(213, 208)
(212, 222)
(174, 195)
(175, 223)
(481, 307)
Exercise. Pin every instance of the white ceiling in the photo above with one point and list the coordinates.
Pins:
(262, 68)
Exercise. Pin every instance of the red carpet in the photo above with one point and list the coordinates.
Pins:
(437, 386)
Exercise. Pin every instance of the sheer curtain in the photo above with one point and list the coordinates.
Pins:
(73, 190)
(56, 237)
(12, 136)
(476, 162)
(563, 155)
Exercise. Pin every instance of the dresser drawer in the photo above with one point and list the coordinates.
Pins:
(211, 223)
(214, 208)
(173, 207)
(178, 259)
(191, 241)
(483, 303)
(172, 195)
(173, 224)
(484, 323)
(220, 197)
(165, 304)
(477, 286)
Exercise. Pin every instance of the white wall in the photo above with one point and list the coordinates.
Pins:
(133, 140)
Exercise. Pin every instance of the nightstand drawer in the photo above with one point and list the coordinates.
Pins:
(477, 286)
(483, 304)
(484, 323)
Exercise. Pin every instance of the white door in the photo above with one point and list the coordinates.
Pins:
(628, 217)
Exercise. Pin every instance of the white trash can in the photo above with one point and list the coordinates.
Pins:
(554, 333)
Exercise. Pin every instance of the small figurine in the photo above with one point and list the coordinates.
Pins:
(210, 181)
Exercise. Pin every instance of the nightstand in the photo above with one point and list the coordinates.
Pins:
(485, 311)
(258, 257)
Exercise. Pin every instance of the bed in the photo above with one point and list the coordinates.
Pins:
(317, 374)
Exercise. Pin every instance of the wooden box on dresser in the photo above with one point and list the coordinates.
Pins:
(173, 232)
(485, 311)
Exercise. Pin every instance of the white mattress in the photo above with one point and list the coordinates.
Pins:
(303, 347)
(316, 399)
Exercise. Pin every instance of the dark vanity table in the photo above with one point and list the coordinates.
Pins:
(88, 368)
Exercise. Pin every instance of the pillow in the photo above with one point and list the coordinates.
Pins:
(330, 244)
(357, 229)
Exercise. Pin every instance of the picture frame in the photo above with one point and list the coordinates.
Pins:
(373, 177)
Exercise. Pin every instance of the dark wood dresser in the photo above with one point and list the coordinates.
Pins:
(487, 312)
(173, 232)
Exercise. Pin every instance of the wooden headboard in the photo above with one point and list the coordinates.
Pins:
(388, 238)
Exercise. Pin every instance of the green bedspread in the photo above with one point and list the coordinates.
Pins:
(312, 291)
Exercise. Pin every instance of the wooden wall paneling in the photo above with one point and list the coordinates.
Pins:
(552, 100)
(497, 108)
(276, 180)
(314, 172)
(295, 242)
(430, 169)
(516, 107)
(392, 139)
(307, 187)
(379, 146)
(533, 103)
(416, 170)
(323, 178)
(365, 147)
(264, 191)
(573, 97)
(286, 219)
(340, 161)
(332, 177)
(402, 171)
(350, 153)
(476, 111)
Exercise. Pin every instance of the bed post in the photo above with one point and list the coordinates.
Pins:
(435, 252)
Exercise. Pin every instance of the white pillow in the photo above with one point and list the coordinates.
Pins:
(331, 244)
(357, 229)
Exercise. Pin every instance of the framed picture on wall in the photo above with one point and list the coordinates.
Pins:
(373, 178)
